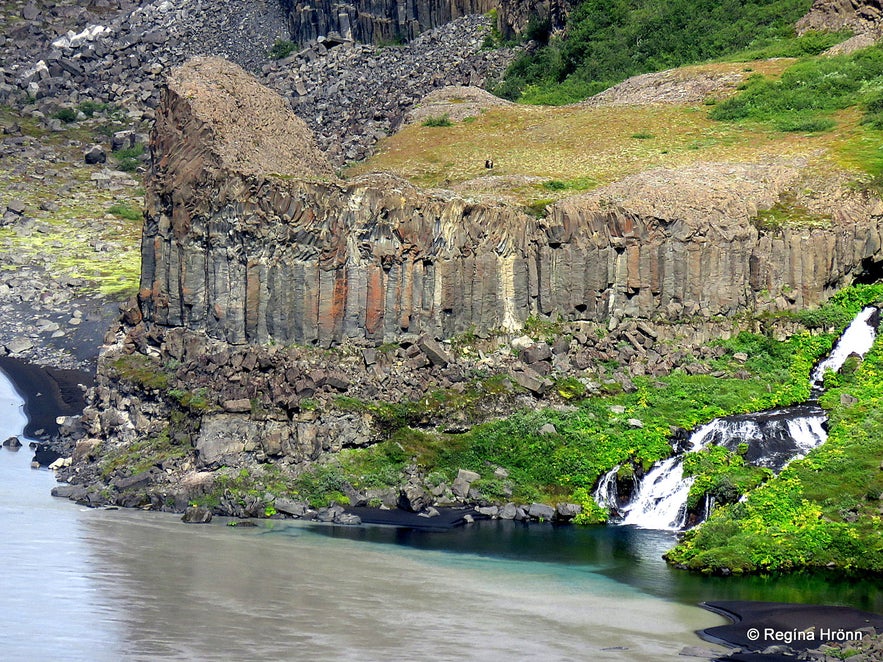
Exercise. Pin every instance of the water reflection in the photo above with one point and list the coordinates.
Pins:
(625, 554)
(213, 592)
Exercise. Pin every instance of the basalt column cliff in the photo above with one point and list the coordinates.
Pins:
(251, 237)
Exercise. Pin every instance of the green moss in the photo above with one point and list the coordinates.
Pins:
(788, 214)
(141, 455)
(570, 388)
(141, 370)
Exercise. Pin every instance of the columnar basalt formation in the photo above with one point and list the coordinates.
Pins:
(376, 21)
(387, 21)
(251, 237)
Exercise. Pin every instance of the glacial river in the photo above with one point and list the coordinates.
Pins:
(83, 584)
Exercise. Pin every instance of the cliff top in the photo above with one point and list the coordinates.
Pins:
(254, 130)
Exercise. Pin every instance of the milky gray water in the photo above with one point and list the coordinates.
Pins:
(81, 584)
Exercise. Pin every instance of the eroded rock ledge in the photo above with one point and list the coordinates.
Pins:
(251, 237)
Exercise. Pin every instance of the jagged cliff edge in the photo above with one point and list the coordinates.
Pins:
(251, 237)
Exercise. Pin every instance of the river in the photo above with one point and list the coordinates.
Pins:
(84, 584)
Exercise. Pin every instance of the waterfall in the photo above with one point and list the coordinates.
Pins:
(857, 339)
(774, 439)
(605, 493)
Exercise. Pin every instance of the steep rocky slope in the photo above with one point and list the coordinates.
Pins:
(251, 243)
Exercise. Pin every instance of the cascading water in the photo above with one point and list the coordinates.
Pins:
(774, 438)
(857, 339)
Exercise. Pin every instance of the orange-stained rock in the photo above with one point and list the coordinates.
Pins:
(250, 236)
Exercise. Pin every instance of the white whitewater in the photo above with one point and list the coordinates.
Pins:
(661, 499)
(786, 434)
(857, 339)
(605, 493)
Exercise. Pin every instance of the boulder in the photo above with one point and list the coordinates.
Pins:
(13, 443)
(19, 345)
(348, 519)
(72, 492)
(413, 498)
(17, 207)
(536, 352)
(565, 512)
(238, 406)
(290, 507)
(433, 351)
(463, 481)
(531, 380)
(197, 515)
(541, 511)
(95, 155)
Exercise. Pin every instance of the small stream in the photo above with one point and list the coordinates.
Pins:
(774, 438)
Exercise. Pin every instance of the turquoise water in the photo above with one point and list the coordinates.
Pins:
(85, 584)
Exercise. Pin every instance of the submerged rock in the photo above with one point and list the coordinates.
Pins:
(197, 515)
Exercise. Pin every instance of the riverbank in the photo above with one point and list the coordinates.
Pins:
(783, 632)
(49, 393)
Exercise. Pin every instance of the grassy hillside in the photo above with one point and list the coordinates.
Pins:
(607, 41)
(823, 111)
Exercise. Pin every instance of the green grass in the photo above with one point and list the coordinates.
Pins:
(440, 121)
(809, 91)
(126, 211)
(608, 41)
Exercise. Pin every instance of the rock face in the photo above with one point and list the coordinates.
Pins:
(860, 16)
(379, 21)
(374, 21)
(251, 237)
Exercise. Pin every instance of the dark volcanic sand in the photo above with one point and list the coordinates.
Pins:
(47, 392)
(781, 617)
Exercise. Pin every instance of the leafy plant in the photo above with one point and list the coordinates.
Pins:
(66, 115)
(129, 158)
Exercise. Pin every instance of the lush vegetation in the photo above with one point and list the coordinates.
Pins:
(808, 92)
(822, 511)
(608, 41)
(721, 474)
(599, 432)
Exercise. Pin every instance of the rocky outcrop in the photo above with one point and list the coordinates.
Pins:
(375, 21)
(250, 237)
(243, 241)
(859, 16)
(388, 21)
